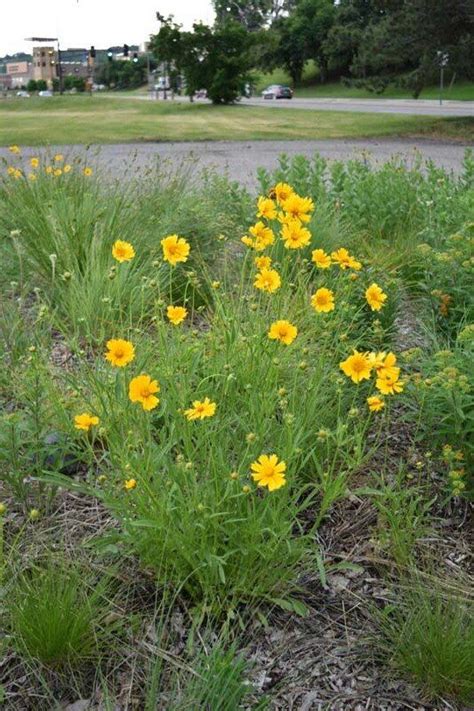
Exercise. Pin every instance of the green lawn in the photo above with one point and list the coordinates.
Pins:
(99, 119)
(311, 88)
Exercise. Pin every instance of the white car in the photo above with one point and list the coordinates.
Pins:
(46, 92)
(23, 94)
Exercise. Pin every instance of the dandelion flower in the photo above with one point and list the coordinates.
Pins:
(87, 172)
(142, 389)
(130, 484)
(176, 314)
(321, 259)
(122, 251)
(357, 366)
(175, 249)
(34, 162)
(389, 385)
(375, 297)
(120, 352)
(323, 300)
(268, 471)
(201, 409)
(298, 207)
(263, 262)
(283, 331)
(267, 280)
(294, 235)
(266, 208)
(85, 421)
(375, 403)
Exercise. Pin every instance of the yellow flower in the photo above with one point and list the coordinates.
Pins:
(345, 260)
(67, 168)
(57, 172)
(375, 297)
(321, 259)
(389, 385)
(323, 300)
(267, 280)
(176, 314)
(268, 471)
(294, 235)
(31, 176)
(175, 249)
(14, 149)
(34, 162)
(298, 207)
(201, 409)
(262, 236)
(142, 389)
(384, 364)
(59, 157)
(120, 352)
(130, 484)
(85, 421)
(87, 172)
(263, 262)
(122, 251)
(283, 331)
(375, 403)
(215, 284)
(11, 170)
(357, 366)
(266, 208)
(281, 192)
(49, 169)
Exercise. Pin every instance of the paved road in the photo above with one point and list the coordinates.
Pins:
(240, 159)
(420, 107)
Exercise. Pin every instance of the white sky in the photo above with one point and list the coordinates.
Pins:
(80, 23)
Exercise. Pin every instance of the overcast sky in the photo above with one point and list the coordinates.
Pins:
(80, 23)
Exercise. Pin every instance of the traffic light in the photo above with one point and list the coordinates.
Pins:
(92, 52)
(125, 50)
(135, 57)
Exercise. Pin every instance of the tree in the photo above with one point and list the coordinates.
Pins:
(252, 14)
(32, 85)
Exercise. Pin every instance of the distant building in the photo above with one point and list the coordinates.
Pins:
(45, 60)
(19, 73)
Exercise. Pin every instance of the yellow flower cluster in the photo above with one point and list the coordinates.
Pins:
(360, 366)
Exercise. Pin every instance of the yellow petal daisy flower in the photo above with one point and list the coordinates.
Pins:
(175, 249)
(283, 331)
(321, 259)
(120, 352)
(85, 421)
(294, 235)
(298, 207)
(34, 162)
(122, 251)
(263, 262)
(266, 208)
(357, 367)
(201, 409)
(176, 314)
(389, 385)
(143, 389)
(87, 172)
(375, 297)
(323, 300)
(267, 280)
(268, 471)
(375, 403)
(281, 192)
(130, 484)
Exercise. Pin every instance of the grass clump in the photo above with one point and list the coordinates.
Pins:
(55, 613)
(429, 636)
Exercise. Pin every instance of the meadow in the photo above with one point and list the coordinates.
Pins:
(236, 437)
(114, 119)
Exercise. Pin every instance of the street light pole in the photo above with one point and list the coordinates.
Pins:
(443, 59)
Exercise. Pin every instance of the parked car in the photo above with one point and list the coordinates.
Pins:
(46, 92)
(277, 91)
(23, 94)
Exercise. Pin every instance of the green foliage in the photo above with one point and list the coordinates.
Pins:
(429, 636)
(55, 612)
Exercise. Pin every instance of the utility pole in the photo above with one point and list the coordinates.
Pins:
(443, 59)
